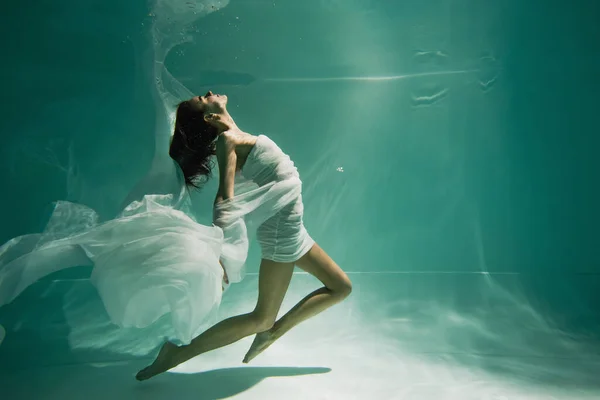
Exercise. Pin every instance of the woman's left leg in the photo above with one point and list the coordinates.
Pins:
(273, 281)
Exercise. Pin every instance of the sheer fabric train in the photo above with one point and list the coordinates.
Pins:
(153, 258)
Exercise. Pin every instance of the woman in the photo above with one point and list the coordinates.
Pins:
(203, 127)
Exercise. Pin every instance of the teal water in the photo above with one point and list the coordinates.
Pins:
(448, 153)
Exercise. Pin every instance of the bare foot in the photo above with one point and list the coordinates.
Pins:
(164, 362)
(261, 342)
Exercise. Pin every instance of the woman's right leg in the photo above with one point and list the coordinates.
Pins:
(337, 287)
(273, 282)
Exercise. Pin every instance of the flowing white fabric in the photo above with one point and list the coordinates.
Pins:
(154, 258)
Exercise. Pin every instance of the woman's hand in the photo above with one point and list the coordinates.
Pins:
(225, 277)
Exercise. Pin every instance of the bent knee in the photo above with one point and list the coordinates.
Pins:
(263, 322)
(343, 288)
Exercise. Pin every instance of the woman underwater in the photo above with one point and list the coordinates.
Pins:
(154, 259)
(203, 126)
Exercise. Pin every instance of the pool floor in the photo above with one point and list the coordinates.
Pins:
(376, 345)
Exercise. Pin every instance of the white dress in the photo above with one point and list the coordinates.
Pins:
(268, 195)
(154, 258)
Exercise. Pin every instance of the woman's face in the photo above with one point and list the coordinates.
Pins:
(209, 103)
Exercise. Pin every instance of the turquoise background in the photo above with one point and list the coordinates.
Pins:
(466, 185)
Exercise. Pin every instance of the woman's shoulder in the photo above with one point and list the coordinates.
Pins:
(237, 138)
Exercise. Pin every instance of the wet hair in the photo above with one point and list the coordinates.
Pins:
(193, 145)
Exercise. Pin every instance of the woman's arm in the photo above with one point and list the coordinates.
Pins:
(227, 161)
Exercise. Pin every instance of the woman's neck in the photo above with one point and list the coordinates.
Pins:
(228, 124)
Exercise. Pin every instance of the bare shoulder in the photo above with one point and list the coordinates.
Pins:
(241, 143)
(236, 140)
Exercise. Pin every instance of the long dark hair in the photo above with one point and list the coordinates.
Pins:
(193, 145)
